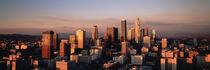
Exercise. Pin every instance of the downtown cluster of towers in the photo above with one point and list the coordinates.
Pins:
(135, 35)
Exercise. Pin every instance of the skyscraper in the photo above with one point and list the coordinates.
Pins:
(129, 35)
(132, 35)
(113, 33)
(142, 34)
(153, 34)
(164, 43)
(137, 31)
(81, 38)
(124, 48)
(72, 39)
(55, 41)
(123, 30)
(47, 44)
(107, 40)
(73, 42)
(146, 31)
(94, 33)
(64, 48)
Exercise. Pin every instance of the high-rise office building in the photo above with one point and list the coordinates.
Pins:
(129, 35)
(146, 31)
(123, 30)
(153, 34)
(62, 49)
(142, 34)
(94, 33)
(133, 34)
(98, 42)
(72, 39)
(164, 43)
(55, 41)
(81, 38)
(72, 42)
(137, 31)
(113, 33)
(146, 41)
(124, 48)
(107, 40)
(47, 44)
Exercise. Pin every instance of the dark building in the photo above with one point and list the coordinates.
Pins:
(123, 30)
(113, 33)
(107, 41)
(55, 41)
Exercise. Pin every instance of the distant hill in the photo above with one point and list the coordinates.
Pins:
(19, 36)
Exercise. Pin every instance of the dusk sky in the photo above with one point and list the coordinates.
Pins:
(170, 17)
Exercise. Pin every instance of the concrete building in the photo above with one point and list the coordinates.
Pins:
(121, 59)
(168, 63)
(65, 65)
(137, 59)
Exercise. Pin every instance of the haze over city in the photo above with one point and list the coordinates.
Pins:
(169, 17)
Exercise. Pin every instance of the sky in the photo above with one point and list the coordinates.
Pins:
(168, 17)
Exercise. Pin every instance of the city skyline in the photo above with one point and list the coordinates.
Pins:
(167, 17)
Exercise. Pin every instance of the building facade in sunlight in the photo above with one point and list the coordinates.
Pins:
(94, 33)
(164, 43)
(81, 38)
(137, 31)
(47, 44)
